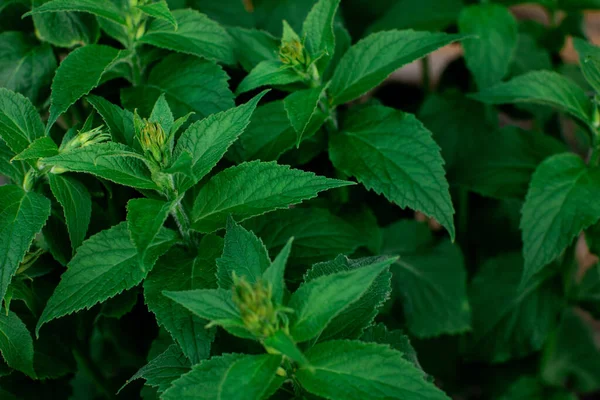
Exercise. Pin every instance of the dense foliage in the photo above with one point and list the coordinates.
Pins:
(210, 199)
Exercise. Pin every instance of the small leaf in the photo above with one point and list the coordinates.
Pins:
(283, 343)
(253, 46)
(159, 10)
(76, 203)
(104, 266)
(318, 301)
(557, 208)
(20, 123)
(274, 274)
(268, 72)
(243, 255)
(118, 121)
(318, 31)
(161, 113)
(301, 107)
(272, 187)
(16, 344)
(39, 148)
(105, 9)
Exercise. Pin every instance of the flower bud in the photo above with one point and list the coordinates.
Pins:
(293, 53)
(153, 140)
(256, 307)
(88, 138)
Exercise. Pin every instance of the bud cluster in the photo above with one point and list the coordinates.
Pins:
(153, 140)
(88, 138)
(293, 53)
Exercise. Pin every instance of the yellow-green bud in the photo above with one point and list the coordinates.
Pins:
(29, 180)
(256, 306)
(293, 53)
(88, 138)
(153, 140)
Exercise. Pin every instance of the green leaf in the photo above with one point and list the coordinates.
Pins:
(39, 148)
(529, 56)
(489, 56)
(350, 323)
(508, 321)
(318, 33)
(113, 161)
(118, 121)
(163, 369)
(20, 123)
(529, 388)
(16, 344)
(105, 9)
(274, 274)
(367, 63)
(145, 219)
(159, 10)
(161, 113)
(243, 255)
(120, 305)
(104, 266)
(557, 208)
(268, 72)
(421, 15)
(253, 46)
(318, 234)
(23, 216)
(231, 376)
(208, 140)
(76, 203)
(588, 290)
(215, 305)
(572, 354)
(352, 370)
(179, 270)
(77, 75)
(396, 339)
(392, 153)
(189, 85)
(196, 34)
(283, 343)
(317, 302)
(66, 29)
(541, 87)
(9, 168)
(251, 189)
(589, 59)
(25, 66)
(301, 107)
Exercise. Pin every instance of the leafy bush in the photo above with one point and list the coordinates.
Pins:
(163, 236)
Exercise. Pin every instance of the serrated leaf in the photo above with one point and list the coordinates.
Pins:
(20, 123)
(159, 10)
(112, 161)
(350, 323)
(274, 274)
(80, 72)
(162, 370)
(145, 219)
(189, 84)
(541, 87)
(396, 339)
(284, 344)
(12, 169)
(253, 46)
(488, 56)
(25, 66)
(392, 153)
(180, 270)
(317, 302)
(508, 321)
(589, 59)
(231, 376)
(118, 121)
(104, 9)
(76, 203)
(272, 187)
(208, 140)
(367, 63)
(196, 34)
(39, 148)
(352, 370)
(243, 255)
(161, 113)
(16, 344)
(557, 207)
(268, 72)
(300, 107)
(66, 29)
(318, 33)
(104, 266)
(23, 214)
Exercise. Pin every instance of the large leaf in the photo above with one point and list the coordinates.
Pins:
(195, 34)
(25, 66)
(39, 148)
(589, 59)
(301, 108)
(231, 376)
(162, 370)
(254, 188)
(396, 339)
(66, 29)
(180, 270)
(367, 63)
(392, 153)
(112, 161)
(558, 206)
(206, 141)
(318, 32)
(76, 202)
(352, 370)
(268, 72)
(16, 344)
(253, 46)
(318, 301)
(189, 84)
(489, 55)
(541, 87)
(118, 121)
(105, 9)
(9, 168)
(22, 216)
(104, 266)
(20, 123)
(508, 321)
(159, 10)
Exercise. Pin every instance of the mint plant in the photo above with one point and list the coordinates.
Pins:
(231, 200)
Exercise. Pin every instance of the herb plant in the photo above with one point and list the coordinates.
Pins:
(220, 200)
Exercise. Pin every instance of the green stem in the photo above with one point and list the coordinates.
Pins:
(183, 223)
